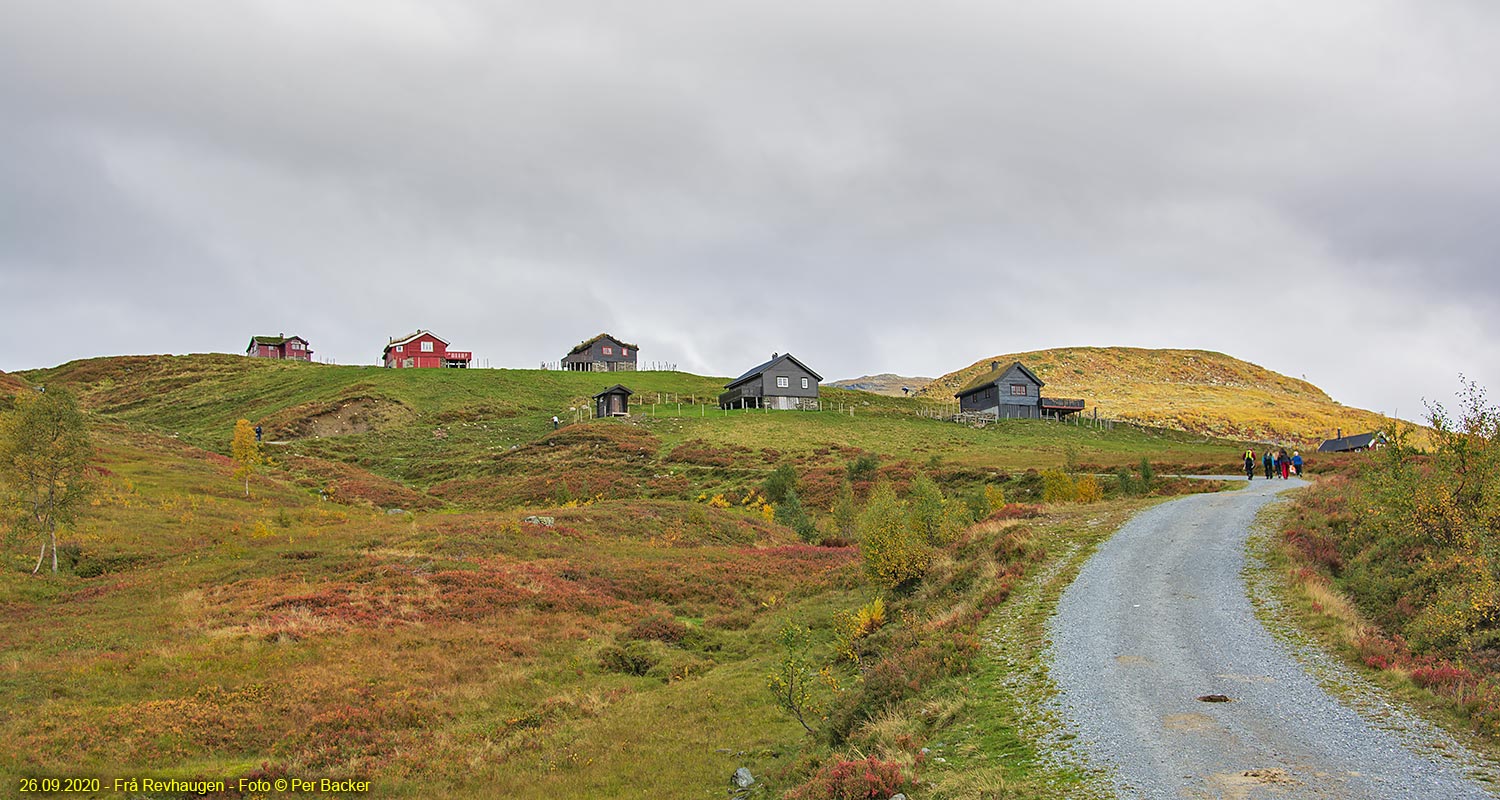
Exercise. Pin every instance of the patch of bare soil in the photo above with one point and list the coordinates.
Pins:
(337, 418)
(1240, 785)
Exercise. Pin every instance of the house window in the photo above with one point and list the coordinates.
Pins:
(427, 347)
(624, 351)
(609, 351)
(401, 348)
(1018, 389)
(804, 383)
(783, 381)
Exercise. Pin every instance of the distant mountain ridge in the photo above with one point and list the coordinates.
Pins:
(886, 383)
(1193, 390)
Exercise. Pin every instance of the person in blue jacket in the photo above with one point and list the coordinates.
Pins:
(1297, 462)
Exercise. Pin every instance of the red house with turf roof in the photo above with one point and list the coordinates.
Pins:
(421, 350)
(279, 346)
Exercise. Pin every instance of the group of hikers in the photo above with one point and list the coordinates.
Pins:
(1276, 463)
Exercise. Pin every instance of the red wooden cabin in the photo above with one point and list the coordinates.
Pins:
(280, 346)
(423, 349)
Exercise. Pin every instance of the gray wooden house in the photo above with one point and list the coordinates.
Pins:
(603, 353)
(613, 402)
(1353, 444)
(1012, 392)
(782, 383)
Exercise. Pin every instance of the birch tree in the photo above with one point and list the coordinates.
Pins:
(44, 450)
(246, 452)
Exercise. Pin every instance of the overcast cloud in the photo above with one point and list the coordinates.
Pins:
(874, 186)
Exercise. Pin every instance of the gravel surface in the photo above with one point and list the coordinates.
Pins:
(1158, 618)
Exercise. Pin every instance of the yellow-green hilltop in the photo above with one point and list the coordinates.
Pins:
(1190, 390)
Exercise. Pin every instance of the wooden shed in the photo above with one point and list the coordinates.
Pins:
(613, 402)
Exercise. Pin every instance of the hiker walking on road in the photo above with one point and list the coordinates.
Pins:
(1249, 465)
(1267, 461)
(257, 433)
(1286, 464)
(1297, 462)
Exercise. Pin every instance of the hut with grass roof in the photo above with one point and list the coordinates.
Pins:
(603, 353)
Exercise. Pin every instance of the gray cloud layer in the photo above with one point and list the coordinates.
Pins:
(874, 186)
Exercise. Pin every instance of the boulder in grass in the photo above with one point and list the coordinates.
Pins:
(741, 779)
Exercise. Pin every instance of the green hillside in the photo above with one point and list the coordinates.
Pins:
(573, 613)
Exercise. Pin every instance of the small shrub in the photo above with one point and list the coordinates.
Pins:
(864, 467)
(895, 554)
(853, 780)
(659, 628)
(1088, 489)
(781, 481)
(789, 512)
(994, 498)
(850, 627)
(1058, 487)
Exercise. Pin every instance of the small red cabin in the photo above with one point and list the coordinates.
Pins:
(423, 349)
(280, 346)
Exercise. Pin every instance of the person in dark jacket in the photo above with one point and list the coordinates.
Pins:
(1286, 463)
(1266, 460)
(1249, 465)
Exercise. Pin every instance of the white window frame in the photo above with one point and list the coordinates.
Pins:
(1025, 390)
(401, 348)
(609, 351)
(804, 383)
(783, 382)
(427, 346)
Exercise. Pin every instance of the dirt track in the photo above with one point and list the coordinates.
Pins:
(1158, 618)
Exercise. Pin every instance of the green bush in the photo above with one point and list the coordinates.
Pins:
(789, 512)
(894, 552)
(781, 481)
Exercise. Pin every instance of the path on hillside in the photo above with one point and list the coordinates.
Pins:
(1159, 617)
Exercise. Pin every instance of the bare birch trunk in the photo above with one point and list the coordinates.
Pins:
(39, 557)
(53, 535)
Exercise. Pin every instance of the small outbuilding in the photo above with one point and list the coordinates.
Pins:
(782, 383)
(603, 353)
(1353, 444)
(613, 402)
(1012, 392)
(279, 346)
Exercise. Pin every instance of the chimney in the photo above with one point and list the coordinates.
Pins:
(994, 365)
(1338, 433)
(775, 356)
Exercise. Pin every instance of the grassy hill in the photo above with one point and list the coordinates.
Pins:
(454, 647)
(1192, 390)
(483, 434)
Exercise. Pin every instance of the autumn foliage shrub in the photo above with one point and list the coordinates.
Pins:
(865, 779)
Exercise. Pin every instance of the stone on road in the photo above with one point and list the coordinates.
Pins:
(1158, 618)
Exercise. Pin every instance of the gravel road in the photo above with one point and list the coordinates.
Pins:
(1158, 618)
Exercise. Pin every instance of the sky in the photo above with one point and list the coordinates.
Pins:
(873, 186)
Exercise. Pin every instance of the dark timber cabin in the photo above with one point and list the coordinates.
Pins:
(1353, 444)
(782, 383)
(1012, 392)
(603, 353)
(613, 402)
